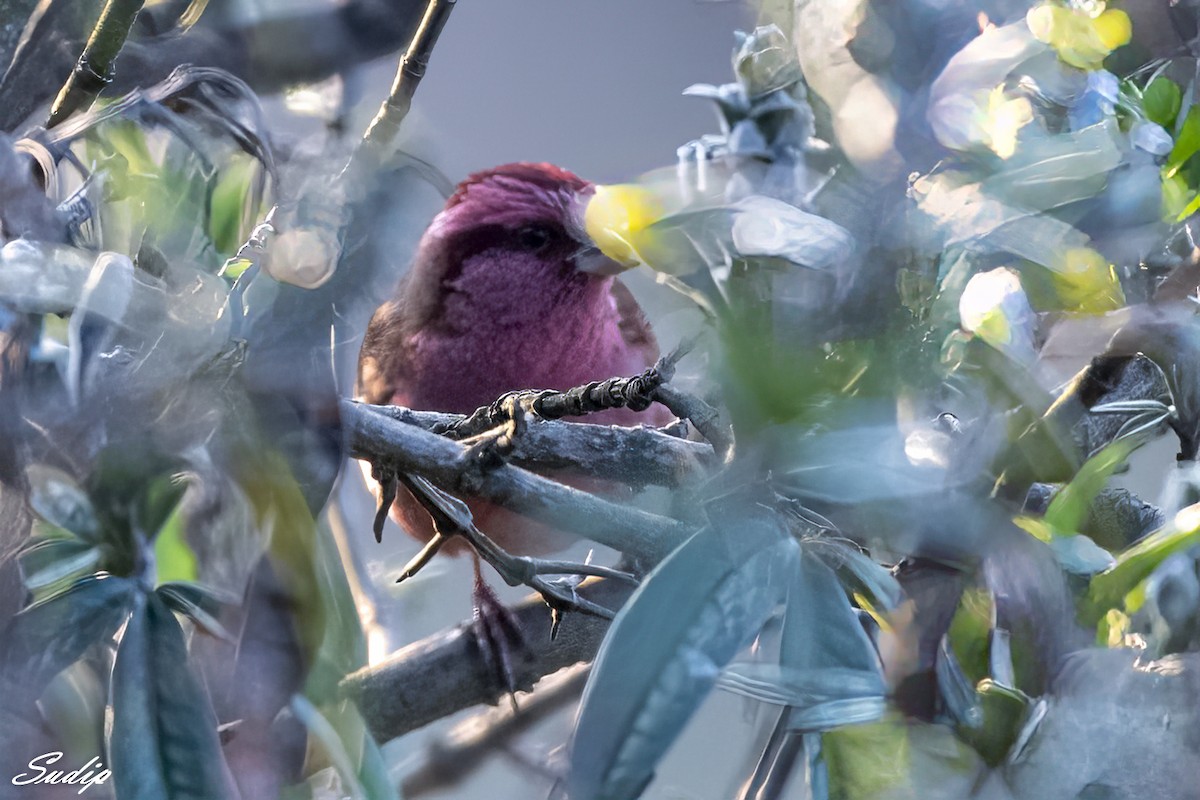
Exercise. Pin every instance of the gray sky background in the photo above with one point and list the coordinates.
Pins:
(591, 85)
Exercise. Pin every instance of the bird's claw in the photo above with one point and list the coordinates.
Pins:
(388, 484)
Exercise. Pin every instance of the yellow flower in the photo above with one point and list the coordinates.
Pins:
(1081, 40)
(616, 215)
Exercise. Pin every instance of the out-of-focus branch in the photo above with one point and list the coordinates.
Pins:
(383, 128)
(94, 69)
(445, 673)
(451, 759)
(636, 456)
(379, 439)
(270, 52)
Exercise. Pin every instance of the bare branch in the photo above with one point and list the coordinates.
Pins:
(376, 438)
(637, 392)
(445, 673)
(635, 456)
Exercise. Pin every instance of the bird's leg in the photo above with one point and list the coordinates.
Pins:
(497, 634)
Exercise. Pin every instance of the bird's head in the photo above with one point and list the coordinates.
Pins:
(538, 216)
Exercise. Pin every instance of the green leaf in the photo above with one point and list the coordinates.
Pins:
(1109, 589)
(330, 742)
(227, 223)
(50, 635)
(1069, 509)
(163, 743)
(173, 556)
(1162, 101)
(668, 644)
(1187, 143)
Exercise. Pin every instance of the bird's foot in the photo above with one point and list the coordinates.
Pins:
(493, 447)
(498, 636)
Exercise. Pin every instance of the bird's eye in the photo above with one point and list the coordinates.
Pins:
(534, 238)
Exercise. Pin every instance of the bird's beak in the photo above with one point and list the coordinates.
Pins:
(614, 219)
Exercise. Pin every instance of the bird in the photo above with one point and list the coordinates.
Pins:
(507, 291)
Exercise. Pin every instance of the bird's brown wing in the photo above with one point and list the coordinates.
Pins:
(380, 357)
(635, 328)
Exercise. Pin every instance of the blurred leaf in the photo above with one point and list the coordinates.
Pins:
(1135, 564)
(970, 631)
(230, 204)
(57, 499)
(826, 698)
(667, 646)
(956, 690)
(281, 512)
(1041, 448)
(51, 563)
(1187, 142)
(173, 556)
(1070, 508)
(53, 633)
(822, 635)
(753, 227)
(1162, 101)
(134, 488)
(1003, 712)
(331, 743)
(163, 743)
(73, 707)
(1079, 555)
(898, 758)
(1075, 552)
(856, 567)
(201, 604)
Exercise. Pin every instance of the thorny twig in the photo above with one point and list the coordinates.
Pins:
(637, 392)
(375, 438)
(94, 69)
(451, 517)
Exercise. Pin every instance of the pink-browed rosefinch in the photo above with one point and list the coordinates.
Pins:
(507, 292)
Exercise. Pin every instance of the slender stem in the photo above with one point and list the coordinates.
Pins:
(94, 69)
(386, 124)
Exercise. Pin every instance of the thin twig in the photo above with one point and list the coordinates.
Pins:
(375, 438)
(451, 517)
(444, 674)
(380, 134)
(94, 69)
